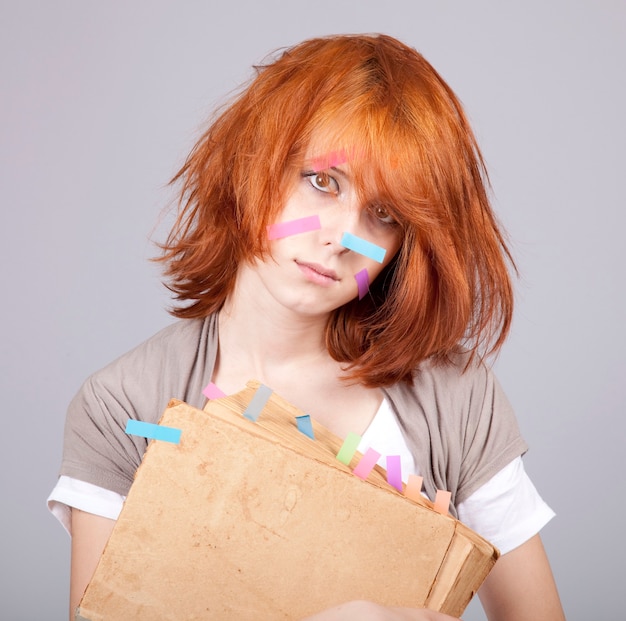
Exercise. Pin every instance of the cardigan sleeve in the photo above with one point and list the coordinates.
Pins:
(175, 363)
(458, 424)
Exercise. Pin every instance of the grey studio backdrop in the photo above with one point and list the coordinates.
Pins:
(100, 103)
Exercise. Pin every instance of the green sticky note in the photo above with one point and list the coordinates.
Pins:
(348, 448)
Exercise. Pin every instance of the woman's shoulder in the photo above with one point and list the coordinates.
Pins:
(173, 363)
(449, 384)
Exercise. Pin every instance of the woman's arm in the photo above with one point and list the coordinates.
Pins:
(521, 587)
(90, 534)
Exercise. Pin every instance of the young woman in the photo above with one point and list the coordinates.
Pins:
(335, 241)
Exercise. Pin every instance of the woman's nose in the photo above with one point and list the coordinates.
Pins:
(345, 218)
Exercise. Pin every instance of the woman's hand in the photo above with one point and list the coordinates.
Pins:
(368, 611)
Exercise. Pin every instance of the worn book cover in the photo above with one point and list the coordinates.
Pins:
(252, 519)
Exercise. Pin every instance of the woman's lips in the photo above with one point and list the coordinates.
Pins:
(318, 273)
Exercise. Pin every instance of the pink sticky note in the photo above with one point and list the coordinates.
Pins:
(362, 283)
(442, 501)
(334, 158)
(368, 461)
(211, 391)
(413, 489)
(394, 471)
(293, 227)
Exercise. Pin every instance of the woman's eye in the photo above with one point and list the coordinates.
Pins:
(323, 182)
(380, 213)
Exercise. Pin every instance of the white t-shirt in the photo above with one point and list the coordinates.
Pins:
(507, 510)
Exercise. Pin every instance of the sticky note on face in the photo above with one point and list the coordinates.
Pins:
(362, 246)
(362, 283)
(152, 431)
(334, 158)
(293, 227)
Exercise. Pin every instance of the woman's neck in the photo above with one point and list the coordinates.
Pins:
(259, 337)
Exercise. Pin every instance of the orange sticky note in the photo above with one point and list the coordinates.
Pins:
(442, 501)
(413, 489)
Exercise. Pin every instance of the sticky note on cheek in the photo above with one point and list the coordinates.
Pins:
(362, 283)
(362, 246)
(293, 227)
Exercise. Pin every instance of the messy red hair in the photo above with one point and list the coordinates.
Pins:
(413, 151)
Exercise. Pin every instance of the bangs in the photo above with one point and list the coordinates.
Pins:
(383, 158)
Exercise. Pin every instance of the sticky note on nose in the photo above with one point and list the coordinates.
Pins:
(362, 246)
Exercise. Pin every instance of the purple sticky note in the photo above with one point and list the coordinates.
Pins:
(394, 471)
(293, 227)
(211, 391)
(362, 283)
(368, 461)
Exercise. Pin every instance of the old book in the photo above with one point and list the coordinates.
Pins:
(246, 520)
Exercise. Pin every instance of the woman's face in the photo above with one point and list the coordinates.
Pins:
(338, 254)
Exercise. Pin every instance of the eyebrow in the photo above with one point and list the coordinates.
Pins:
(343, 173)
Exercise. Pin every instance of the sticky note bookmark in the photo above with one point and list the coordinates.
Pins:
(413, 489)
(293, 227)
(362, 283)
(442, 501)
(394, 471)
(305, 425)
(348, 448)
(367, 463)
(362, 246)
(211, 391)
(152, 431)
(257, 403)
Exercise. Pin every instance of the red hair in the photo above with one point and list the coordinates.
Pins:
(413, 151)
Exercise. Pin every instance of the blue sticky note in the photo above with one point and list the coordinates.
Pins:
(152, 431)
(257, 403)
(305, 425)
(362, 246)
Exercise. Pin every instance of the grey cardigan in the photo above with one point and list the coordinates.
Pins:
(458, 424)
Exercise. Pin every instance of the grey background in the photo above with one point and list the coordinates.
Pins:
(100, 103)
